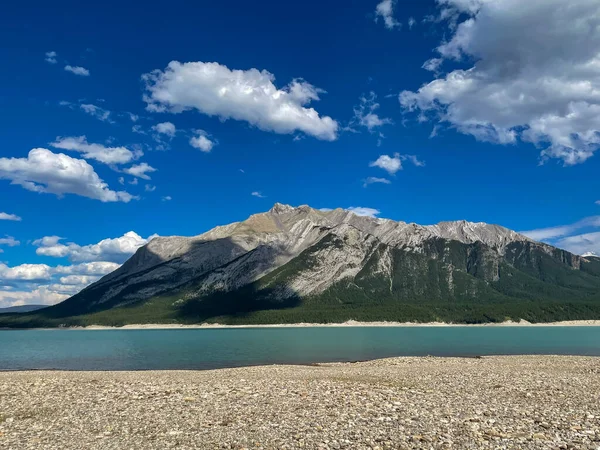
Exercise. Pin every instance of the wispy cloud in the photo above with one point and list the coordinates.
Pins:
(362, 211)
(385, 11)
(78, 70)
(373, 180)
(580, 237)
(258, 194)
(6, 216)
(50, 57)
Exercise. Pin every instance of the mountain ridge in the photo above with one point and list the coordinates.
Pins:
(298, 262)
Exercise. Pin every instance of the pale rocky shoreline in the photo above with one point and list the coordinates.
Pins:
(515, 402)
(351, 323)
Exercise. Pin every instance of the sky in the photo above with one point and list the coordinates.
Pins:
(126, 121)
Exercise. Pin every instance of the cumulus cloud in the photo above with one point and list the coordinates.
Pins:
(388, 163)
(166, 128)
(46, 172)
(98, 152)
(246, 95)
(77, 70)
(43, 284)
(39, 296)
(140, 171)
(258, 194)
(392, 164)
(6, 216)
(532, 73)
(25, 272)
(373, 180)
(201, 141)
(115, 250)
(362, 211)
(51, 57)
(9, 241)
(385, 11)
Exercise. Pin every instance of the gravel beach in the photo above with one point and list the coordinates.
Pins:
(523, 402)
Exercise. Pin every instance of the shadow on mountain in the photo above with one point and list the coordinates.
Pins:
(238, 303)
(135, 284)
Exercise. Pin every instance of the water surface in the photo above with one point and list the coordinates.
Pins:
(232, 347)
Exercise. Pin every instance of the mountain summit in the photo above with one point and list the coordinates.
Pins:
(318, 265)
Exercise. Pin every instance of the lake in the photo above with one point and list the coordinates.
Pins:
(233, 347)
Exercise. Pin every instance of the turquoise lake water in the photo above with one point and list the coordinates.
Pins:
(218, 348)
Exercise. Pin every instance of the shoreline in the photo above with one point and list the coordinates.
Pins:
(349, 323)
(406, 402)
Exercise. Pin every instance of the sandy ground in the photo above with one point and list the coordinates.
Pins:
(517, 402)
(352, 323)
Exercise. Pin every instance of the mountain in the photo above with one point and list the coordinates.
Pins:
(21, 309)
(294, 264)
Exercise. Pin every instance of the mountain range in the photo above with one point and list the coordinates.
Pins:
(300, 264)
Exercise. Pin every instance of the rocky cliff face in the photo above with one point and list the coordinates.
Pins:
(305, 253)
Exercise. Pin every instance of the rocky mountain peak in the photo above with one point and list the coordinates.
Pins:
(280, 208)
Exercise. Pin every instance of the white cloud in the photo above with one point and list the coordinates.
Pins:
(579, 237)
(563, 230)
(43, 284)
(24, 272)
(46, 172)
(362, 211)
(413, 159)
(115, 250)
(140, 171)
(51, 57)
(533, 73)
(201, 141)
(133, 117)
(373, 180)
(411, 22)
(77, 70)
(365, 115)
(245, 95)
(433, 64)
(47, 241)
(39, 296)
(581, 244)
(6, 216)
(385, 11)
(167, 198)
(121, 180)
(77, 280)
(388, 163)
(97, 268)
(149, 188)
(96, 111)
(10, 241)
(138, 129)
(394, 164)
(257, 194)
(166, 128)
(98, 152)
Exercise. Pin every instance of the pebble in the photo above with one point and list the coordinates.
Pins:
(376, 405)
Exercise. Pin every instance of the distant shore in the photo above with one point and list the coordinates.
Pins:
(349, 323)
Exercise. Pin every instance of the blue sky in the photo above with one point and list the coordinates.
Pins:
(420, 111)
